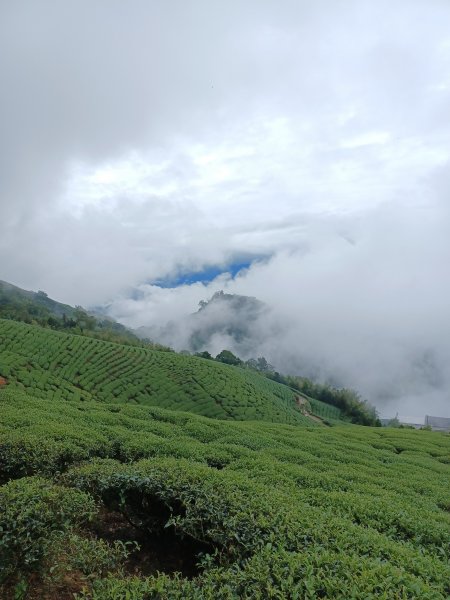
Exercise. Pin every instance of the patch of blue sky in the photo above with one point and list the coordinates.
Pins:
(205, 275)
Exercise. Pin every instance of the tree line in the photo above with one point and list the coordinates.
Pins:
(37, 310)
(354, 408)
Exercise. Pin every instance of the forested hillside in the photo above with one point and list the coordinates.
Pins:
(36, 308)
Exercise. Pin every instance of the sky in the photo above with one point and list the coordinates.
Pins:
(152, 153)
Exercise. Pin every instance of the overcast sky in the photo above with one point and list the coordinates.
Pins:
(143, 140)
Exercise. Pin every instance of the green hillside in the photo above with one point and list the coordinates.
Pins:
(128, 473)
(120, 502)
(36, 308)
(326, 411)
(56, 365)
(18, 304)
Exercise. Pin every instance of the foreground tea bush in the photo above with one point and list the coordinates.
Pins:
(33, 514)
(219, 509)
(275, 573)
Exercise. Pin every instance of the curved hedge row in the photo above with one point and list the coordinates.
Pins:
(271, 510)
(70, 367)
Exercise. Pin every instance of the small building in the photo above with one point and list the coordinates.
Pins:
(437, 423)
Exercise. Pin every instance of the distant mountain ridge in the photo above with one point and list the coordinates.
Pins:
(224, 321)
(11, 294)
(226, 314)
(36, 308)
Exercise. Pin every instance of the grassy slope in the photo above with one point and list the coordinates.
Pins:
(14, 296)
(38, 309)
(285, 512)
(56, 365)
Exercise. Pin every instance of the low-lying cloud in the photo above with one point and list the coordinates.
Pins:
(364, 306)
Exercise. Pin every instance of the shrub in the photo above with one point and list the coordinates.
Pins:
(33, 513)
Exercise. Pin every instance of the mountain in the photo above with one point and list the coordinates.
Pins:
(228, 321)
(226, 315)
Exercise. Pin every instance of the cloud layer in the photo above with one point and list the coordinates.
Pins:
(367, 311)
(139, 140)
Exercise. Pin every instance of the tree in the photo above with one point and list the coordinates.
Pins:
(204, 354)
(228, 358)
(54, 322)
(83, 320)
(263, 365)
(259, 364)
(252, 363)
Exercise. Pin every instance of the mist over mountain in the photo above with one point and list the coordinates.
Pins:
(397, 369)
(225, 321)
(408, 374)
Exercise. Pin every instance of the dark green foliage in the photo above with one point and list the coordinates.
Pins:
(217, 508)
(22, 305)
(347, 401)
(259, 364)
(228, 358)
(204, 354)
(33, 513)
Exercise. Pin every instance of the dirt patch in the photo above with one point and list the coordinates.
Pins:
(3, 381)
(302, 404)
(38, 589)
(300, 401)
(163, 551)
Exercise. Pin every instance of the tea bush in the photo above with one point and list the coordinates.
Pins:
(33, 513)
(52, 364)
(261, 509)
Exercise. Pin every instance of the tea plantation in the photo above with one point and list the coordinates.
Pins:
(52, 364)
(106, 497)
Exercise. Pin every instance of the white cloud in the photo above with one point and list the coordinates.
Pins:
(367, 139)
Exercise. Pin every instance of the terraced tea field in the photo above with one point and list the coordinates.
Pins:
(51, 364)
(107, 495)
(219, 509)
(323, 410)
